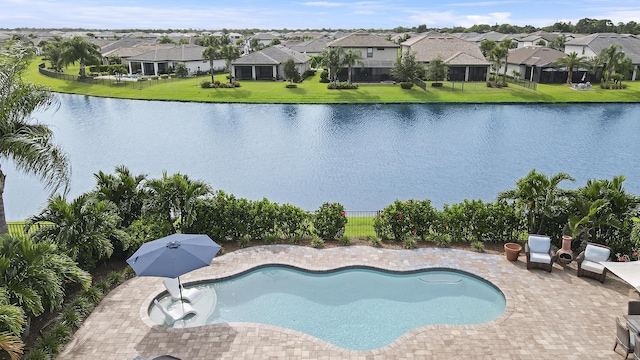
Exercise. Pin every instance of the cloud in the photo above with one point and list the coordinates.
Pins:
(324, 4)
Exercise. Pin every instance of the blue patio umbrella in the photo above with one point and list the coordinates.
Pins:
(173, 255)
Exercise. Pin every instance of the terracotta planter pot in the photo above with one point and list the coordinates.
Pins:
(512, 250)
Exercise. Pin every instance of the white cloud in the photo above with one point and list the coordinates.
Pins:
(324, 4)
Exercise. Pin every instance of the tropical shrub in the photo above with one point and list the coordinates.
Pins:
(409, 243)
(324, 76)
(394, 221)
(478, 246)
(85, 228)
(345, 240)
(406, 85)
(375, 241)
(422, 217)
(293, 222)
(329, 221)
(205, 84)
(341, 86)
(262, 219)
(317, 243)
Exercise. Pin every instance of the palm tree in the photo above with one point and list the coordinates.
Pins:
(78, 49)
(538, 197)
(174, 198)
(610, 57)
(508, 44)
(332, 60)
(12, 321)
(124, 190)
(211, 53)
(83, 228)
(229, 53)
(351, 58)
(29, 145)
(570, 61)
(33, 274)
(497, 54)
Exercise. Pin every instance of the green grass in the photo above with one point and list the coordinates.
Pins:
(311, 91)
(359, 226)
(16, 228)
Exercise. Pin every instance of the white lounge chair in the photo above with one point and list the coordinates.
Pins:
(177, 313)
(173, 287)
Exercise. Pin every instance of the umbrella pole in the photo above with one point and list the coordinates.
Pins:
(180, 288)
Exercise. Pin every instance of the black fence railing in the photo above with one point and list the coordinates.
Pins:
(525, 84)
(18, 228)
(420, 83)
(137, 82)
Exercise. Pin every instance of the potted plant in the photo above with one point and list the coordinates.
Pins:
(512, 250)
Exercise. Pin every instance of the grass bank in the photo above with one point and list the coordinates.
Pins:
(311, 91)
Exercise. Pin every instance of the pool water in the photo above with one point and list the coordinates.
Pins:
(353, 308)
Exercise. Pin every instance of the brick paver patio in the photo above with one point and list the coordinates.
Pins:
(548, 315)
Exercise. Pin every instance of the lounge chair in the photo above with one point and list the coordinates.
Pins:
(539, 254)
(589, 261)
(636, 350)
(187, 294)
(177, 313)
(623, 338)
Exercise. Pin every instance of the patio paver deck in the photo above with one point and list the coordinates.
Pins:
(548, 315)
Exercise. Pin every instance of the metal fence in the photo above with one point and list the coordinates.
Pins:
(110, 81)
(420, 83)
(360, 223)
(525, 84)
(18, 228)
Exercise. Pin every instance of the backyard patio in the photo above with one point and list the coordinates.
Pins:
(548, 315)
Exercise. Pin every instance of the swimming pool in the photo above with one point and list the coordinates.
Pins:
(357, 308)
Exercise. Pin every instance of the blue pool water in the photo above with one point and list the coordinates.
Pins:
(354, 308)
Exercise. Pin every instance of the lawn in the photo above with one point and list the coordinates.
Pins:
(311, 91)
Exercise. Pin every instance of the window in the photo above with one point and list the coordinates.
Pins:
(369, 52)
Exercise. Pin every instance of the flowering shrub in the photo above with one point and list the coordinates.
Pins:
(292, 222)
(625, 257)
(329, 221)
(394, 221)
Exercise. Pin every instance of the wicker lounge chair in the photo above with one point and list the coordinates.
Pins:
(623, 338)
(589, 261)
(173, 287)
(539, 254)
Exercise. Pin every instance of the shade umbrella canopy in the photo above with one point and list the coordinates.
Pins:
(628, 271)
(173, 255)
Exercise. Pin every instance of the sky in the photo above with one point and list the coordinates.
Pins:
(300, 14)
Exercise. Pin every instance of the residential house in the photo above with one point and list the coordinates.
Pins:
(264, 38)
(266, 64)
(536, 63)
(312, 47)
(160, 60)
(378, 55)
(537, 38)
(478, 38)
(592, 45)
(464, 58)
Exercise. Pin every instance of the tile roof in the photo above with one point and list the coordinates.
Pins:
(453, 50)
(539, 56)
(597, 42)
(312, 46)
(362, 39)
(175, 53)
(273, 55)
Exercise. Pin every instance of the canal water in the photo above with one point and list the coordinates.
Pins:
(363, 156)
